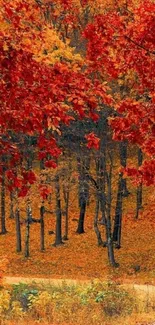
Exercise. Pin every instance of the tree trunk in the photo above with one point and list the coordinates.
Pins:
(27, 239)
(18, 231)
(123, 160)
(66, 193)
(80, 229)
(109, 237)
(58, 238)
(100, 171)
(118, 213)
(97, 232)
(139, 187)
(3, 225)
(11, 206)
(83, 192)
(42, 231)
(27, 233)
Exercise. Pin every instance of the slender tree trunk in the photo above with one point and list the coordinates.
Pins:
(11, 206)
(97, 231)
(18, 231)
(66, 193)
(27, 232)
(123, 160)
(27, 239)
(58, 238)
(83, 194)
(42, 230)
(100, 171)
(87, 162)
(3, 216)
(110, 243)
(118, 213)
(139, 193)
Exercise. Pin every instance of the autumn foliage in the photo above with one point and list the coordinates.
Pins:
(77, 83)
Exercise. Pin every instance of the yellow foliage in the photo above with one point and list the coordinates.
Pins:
(34, 35)
(17, 311)
(4, 302)
(41, 306)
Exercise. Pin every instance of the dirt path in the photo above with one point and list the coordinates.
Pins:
(51, 281)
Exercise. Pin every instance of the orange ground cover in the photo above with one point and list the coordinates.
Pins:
(80, 257)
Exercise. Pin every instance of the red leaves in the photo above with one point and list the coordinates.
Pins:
(93, 141)
(144, 174)
(20, 183)
(50, 163)
(29, 177)
(23, 191)
(44, 191)
(95, 117)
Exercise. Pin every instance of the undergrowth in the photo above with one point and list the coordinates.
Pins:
(97, 303)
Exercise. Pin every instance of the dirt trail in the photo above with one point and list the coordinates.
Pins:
(51, 281)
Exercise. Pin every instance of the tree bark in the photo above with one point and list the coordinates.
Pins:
(18, 231)
(58, 232)
(123, 160)
(27, 232)
(11, 206)
(42, 230)
(109, 237)
(118, 213)
(97, 231)
(83, 192)
(80, 229)
(27, 239)
(139, 193)
(66, 193)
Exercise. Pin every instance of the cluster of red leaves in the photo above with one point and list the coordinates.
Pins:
(93, 141)
(20, 183)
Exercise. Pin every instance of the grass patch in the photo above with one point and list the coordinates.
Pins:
(96, 303)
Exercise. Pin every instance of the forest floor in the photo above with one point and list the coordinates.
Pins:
(80, 257)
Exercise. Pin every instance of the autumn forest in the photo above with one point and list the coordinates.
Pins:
(77, 146)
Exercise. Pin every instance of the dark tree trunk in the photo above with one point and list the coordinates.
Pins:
(109, 237)
(27, 239)
(66, 193)
(58, 238)
(3, 218)
(42, 230)
(123, 160)
(97, 231)
(18, 231)
(42, 164)
(139, 188)
(27, 232)
(100, 171)
(11, 206)
(83, 192)
(80, 229)
(118, 213)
